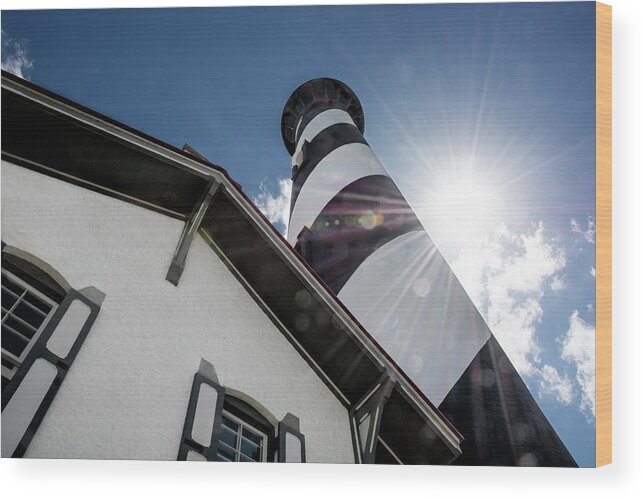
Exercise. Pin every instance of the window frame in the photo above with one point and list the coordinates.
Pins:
(7, 356)
(249, 426)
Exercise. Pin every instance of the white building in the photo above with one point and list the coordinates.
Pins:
(150, 311)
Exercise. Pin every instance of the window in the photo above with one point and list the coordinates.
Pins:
(44, 324)
(240, 441)
(25, 311)
(223, 424)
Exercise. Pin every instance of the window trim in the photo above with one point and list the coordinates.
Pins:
(28, 288)
(244, 424)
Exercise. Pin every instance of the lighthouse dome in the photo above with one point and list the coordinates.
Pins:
(310, 99)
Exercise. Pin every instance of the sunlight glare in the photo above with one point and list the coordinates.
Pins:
(463, 202)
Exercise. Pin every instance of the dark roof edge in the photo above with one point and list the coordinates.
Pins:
(285, 248)
(95, 114)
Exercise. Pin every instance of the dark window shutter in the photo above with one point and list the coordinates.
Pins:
(292, 444)
(203, 419)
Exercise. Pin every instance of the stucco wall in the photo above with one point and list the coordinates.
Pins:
(126, 394)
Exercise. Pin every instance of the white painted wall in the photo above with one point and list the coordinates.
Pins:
(126, 394)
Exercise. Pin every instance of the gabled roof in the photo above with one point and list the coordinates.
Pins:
(57, 137)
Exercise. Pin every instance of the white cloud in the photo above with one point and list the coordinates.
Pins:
(552, 383)
(558, 283)
(275, 208)
(506, 275)
(589, 233)
(14, 57)
(579, 349)
(592, 272)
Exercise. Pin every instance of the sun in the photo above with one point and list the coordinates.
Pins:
(462, 203)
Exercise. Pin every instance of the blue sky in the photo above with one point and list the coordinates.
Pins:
(483, 114)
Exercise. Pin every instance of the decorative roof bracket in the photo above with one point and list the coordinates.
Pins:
(190, 230)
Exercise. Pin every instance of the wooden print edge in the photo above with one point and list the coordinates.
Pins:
(603, 234)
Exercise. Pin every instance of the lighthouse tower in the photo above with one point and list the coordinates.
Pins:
(353, 226)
